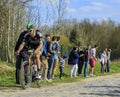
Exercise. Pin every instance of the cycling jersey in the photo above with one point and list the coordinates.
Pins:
(20, 39)
(32, 42)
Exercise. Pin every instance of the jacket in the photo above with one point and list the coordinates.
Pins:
(73, 58)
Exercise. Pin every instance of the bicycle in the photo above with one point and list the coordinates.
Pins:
(28, 73)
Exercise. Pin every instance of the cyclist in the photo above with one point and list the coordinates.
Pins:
(32, 40)
(22, 55)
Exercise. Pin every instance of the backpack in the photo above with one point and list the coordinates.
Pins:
(55, 46)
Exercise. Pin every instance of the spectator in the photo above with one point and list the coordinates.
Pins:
(51, 56)
(56, 48)
(105, 60)
(108, 60)
(93, 59)
(45, 55)
(62, 64)
(80, 61)
(102, 60)
(73, 61)
(87, 60)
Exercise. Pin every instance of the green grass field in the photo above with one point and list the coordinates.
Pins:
(7, 74)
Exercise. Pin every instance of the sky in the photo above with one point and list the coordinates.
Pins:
(94, 9)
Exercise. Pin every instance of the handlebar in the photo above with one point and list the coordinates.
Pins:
(31, 52)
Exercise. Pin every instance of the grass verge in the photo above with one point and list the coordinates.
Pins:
(7, 74)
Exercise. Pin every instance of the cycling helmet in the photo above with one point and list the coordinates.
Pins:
(29, 26)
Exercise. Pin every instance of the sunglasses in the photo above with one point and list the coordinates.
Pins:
(30, 30)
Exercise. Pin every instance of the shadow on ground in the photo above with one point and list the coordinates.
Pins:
(112, 91)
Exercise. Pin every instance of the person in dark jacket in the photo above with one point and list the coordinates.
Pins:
(87, 59)
(22, 55)
(73, 61)
(80, 61)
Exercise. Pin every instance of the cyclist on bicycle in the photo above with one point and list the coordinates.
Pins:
(32, 40)
(22, 55)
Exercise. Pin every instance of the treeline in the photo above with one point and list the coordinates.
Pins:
(15, 14)
(105, 34)
(12, 20)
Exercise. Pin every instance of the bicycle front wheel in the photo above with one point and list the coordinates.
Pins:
(25, 75)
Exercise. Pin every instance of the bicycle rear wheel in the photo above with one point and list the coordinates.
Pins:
(40, 82)
(25, 75)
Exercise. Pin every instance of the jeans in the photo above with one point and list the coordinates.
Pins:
(50, 66)
(86, 68)
(22, 56)
(54, 68)
(61, 71)
(108, 65)
(102, 67)
(80, 66)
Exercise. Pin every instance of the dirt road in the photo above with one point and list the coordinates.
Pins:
(102, 86)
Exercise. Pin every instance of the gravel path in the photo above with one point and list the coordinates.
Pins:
(102, 86)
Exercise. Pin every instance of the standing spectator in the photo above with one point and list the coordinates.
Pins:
(87, 60)
(56, 48)
(93, 59)
(45, 55)
(80, 61)
(51, 52)
(73, 61)
(105, 60)
(22, 55)
(102, 60)
(108, 60)
(62, 64)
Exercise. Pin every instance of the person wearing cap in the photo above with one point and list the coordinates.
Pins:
(62, 65)
(22, 55)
